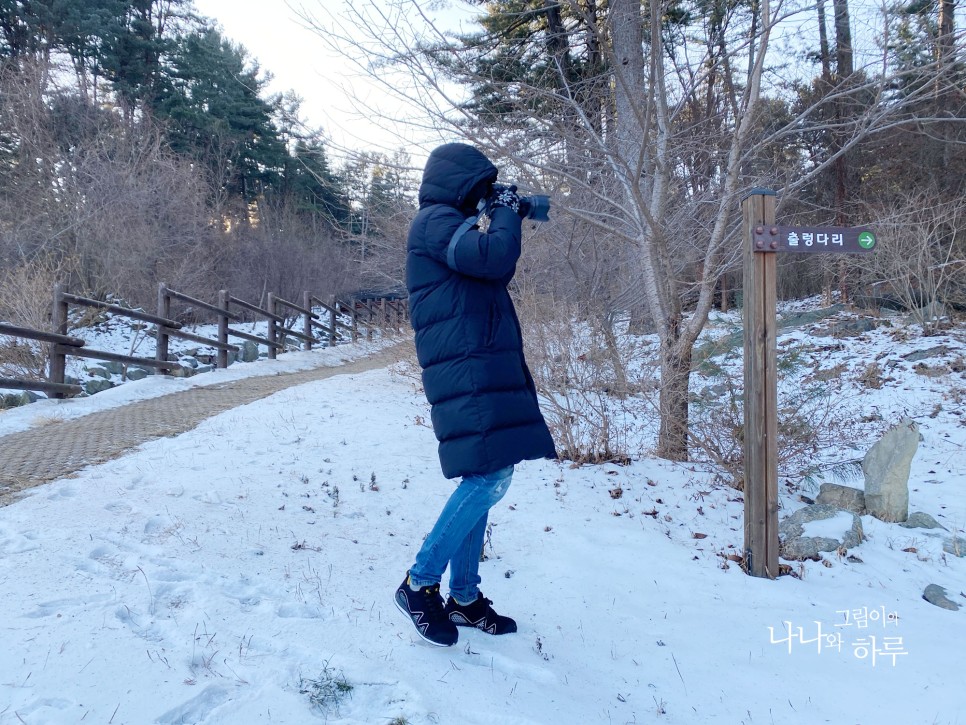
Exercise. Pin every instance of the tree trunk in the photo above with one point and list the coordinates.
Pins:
(843, 72)
(843, 39)
(672, 442)
(945, 73)
(823, 44)
(643, 168)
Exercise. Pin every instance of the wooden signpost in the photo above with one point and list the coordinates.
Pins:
(762, 239)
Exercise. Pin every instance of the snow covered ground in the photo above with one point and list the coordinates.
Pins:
(243, 573)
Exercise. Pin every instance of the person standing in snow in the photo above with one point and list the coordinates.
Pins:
(485, 412)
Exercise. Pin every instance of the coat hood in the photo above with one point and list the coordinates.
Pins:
(453, 173)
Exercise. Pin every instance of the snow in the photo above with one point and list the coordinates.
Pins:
(830, 528)
(228, 574)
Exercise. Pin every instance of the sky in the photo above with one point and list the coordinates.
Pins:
(243, 572)
(274, 33)
(339, 97)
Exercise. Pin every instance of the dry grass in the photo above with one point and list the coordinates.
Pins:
(26, 300)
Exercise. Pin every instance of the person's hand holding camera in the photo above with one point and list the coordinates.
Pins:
(536, 208)
(507, 196)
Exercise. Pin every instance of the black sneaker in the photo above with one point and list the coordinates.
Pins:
(479, 614)
(425, 608)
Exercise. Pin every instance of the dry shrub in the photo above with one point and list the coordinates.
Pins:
(26, 300)
(872, 376)
(813, 421)
(405, 363)
(920, 255)
(578, 381)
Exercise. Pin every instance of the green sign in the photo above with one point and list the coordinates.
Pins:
(867, 240)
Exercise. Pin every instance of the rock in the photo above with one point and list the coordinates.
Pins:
(817, 528)
(935, 594)
(886, 469)
(846, 328)
(99, 371)
(15, 400)
(955, 546)
(932, 311)
(249, 351)
(919, 520)
(843, 497)
(138, 373)
(937, 351)
(114, 368)
(92, 387)
(801, 319)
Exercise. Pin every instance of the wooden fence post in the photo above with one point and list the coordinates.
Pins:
(164, 310)
(332, 314)
(58, 360)
(272, 326)
(223, 297)
(761, 389)
(354, 324)
(307, 319)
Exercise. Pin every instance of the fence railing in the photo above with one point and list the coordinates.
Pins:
(326, 327)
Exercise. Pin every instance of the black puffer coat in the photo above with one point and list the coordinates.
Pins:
(485, 412)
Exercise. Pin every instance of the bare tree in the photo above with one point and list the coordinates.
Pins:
(654, 150)
(920, 255)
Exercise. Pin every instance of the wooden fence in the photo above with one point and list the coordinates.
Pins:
(290, 326)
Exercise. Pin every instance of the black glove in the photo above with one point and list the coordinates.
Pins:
(507, 197)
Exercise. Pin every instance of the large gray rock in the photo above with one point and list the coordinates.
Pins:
(817, 528)
(138, 373)
(919, 520)
(935, 594)
(114, 368)
(249, 351)
(843, 497)
(886, 469)
(99, 371)
(15, 400)
(98, 385)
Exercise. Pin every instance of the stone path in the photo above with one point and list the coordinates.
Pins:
(48, 452)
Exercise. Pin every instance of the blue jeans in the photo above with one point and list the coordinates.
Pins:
(457, 537)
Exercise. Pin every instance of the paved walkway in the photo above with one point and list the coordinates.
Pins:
(48, 452)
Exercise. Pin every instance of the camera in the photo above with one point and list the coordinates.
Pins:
(537, 206)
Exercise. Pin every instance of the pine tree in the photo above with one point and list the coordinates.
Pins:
(215, 112)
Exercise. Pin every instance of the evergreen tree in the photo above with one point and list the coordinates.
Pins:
(215, 112)
(314, 186)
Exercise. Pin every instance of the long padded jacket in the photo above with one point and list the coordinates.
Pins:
(484, 404)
